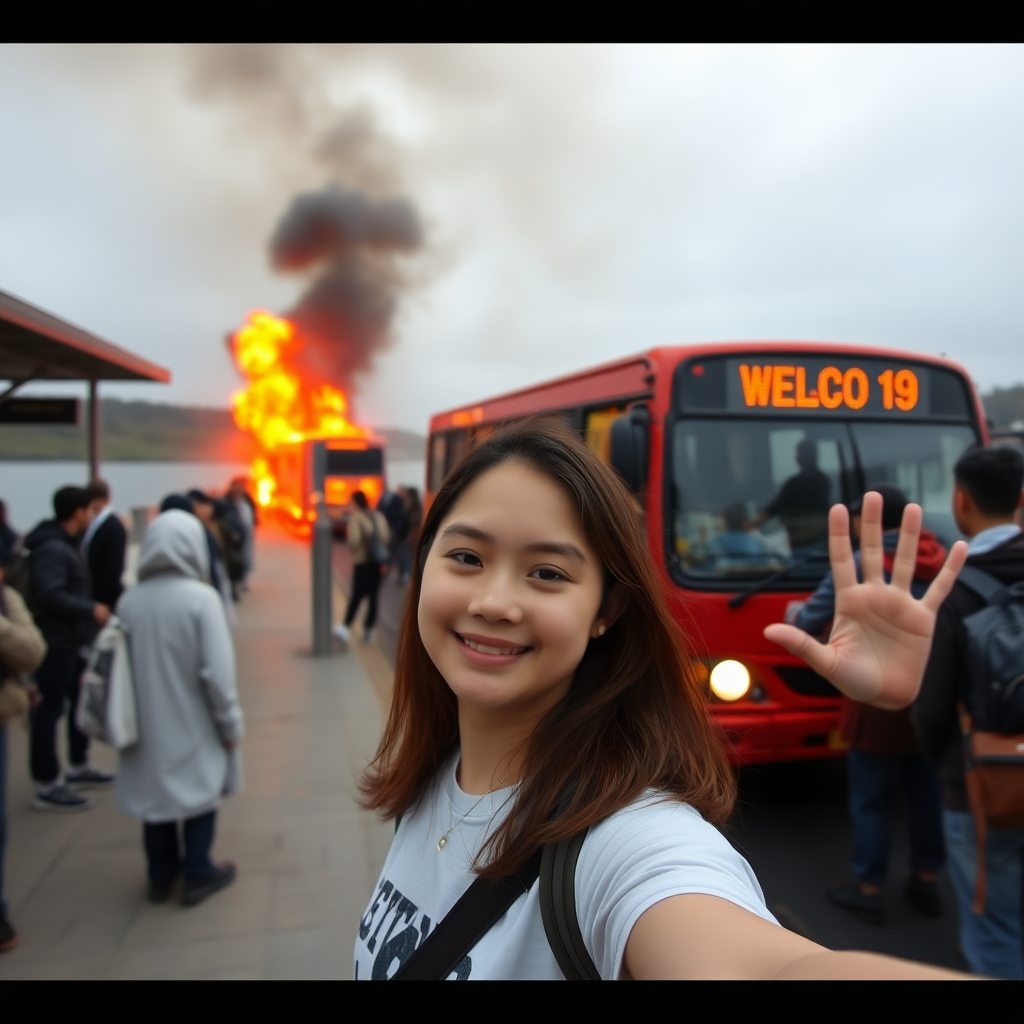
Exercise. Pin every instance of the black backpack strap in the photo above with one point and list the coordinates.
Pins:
(477, 911)
(982, 583)
(558, 909)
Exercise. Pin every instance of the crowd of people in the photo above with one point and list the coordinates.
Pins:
(378, 540)
(921, 746)
(63, 582)
(532, 561)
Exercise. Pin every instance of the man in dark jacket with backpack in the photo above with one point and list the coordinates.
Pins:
(986, 496)
(69, 617)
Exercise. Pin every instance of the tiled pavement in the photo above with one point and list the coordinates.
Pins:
(307, 855)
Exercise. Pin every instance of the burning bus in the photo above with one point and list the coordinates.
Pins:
(309, 450)
(333, 468)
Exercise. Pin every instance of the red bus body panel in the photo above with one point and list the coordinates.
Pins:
(786, 725)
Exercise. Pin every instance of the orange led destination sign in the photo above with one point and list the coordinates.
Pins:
(787, 386)
(827, 384)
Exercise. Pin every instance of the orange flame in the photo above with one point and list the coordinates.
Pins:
(278, 406)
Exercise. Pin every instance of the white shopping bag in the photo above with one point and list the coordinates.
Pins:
(106, 707)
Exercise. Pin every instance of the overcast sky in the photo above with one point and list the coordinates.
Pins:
(580, 203)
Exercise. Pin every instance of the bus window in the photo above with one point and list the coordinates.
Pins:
(917, 458)
(598, 430)
(458, 445)
(438, 451)
(752, 498)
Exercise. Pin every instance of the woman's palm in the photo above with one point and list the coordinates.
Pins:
(881, 635)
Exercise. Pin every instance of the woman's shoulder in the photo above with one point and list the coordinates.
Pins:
(657, 835)
(656, 814)
(653, 849)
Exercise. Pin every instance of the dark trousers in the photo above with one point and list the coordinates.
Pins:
(59, 679)
(872, 779)
(163, 848)
(365, 583)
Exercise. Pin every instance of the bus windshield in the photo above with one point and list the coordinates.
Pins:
(751, 496)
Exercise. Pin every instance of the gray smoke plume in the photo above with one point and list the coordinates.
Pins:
(352, 242)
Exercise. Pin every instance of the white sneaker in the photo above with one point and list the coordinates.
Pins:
(368, 636)
(341, 633)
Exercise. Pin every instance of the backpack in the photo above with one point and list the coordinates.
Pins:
(106, 707)
(483, 903)
(992, 719)
(234, 539)
(376, 549)
(18, 576)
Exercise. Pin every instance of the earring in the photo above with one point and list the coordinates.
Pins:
(600, 630)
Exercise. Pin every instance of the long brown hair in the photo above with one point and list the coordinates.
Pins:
(635, 717)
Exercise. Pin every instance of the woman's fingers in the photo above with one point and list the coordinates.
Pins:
(905, 561)
(871, 537)
(819, 656)
(840, 552)
(943, 583)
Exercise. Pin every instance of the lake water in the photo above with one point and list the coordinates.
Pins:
(28, 486)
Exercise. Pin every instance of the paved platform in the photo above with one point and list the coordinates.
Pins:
(307, 854)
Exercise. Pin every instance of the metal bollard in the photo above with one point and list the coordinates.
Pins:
(322, 582)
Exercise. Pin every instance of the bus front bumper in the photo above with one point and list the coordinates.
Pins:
(758, 737)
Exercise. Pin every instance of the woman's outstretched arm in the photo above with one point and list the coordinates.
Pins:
(706, 937)
(881, 635)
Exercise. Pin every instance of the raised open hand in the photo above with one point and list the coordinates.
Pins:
(881, 636)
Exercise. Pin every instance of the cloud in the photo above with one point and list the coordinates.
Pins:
(579, 203)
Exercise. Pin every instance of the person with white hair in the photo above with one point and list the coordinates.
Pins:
(189, 718)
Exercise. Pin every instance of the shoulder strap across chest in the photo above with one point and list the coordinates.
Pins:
(481, 906)
(982, 583)
(476, 912)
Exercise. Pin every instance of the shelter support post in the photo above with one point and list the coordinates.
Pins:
(323, 536)
(94, 429)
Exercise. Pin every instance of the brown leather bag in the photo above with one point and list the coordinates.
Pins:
(994, 773)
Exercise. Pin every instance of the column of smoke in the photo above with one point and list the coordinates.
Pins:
(351, 242)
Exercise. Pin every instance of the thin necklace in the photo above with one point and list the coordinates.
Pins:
(443, 841)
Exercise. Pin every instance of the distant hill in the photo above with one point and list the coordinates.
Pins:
(152, 432)
(1005, 406)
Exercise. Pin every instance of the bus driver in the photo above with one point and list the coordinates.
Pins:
(802, 503)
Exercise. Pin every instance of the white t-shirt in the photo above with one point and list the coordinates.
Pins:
(648, 851)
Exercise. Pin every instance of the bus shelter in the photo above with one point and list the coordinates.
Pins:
(36, 345)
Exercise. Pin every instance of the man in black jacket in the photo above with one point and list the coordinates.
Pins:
(104, 546)
(986, 496)
(68, 617)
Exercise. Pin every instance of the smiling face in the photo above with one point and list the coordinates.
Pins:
(511, 592)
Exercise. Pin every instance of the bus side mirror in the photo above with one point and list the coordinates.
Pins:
(629, 443)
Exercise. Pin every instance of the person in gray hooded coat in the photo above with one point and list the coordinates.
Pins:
(189, 718)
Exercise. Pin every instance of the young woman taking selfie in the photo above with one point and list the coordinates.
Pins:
(549, 758)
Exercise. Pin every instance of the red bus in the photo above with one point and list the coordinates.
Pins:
(736, 452)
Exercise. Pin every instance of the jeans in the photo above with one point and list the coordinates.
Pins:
(405, 551)
(991, 941)
(365, 583)
(59, 680)
(163, 854)
(3, 812)
(871, 780)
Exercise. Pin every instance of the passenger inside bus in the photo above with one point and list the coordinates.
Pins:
(784, 474)
(736, 546)
(802, 502)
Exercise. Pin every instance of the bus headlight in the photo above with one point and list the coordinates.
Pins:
(730, 680)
